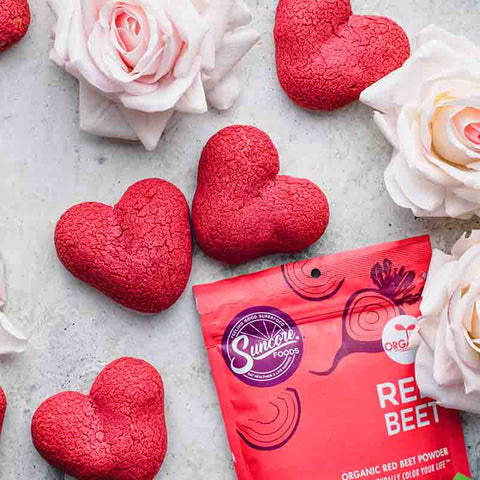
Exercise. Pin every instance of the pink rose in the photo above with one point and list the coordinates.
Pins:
(139, 61)
(429, 110)
(447, 364)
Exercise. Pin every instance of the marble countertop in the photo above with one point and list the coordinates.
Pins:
(47, 165)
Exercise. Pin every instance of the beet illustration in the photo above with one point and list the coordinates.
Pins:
(310, 280)
(3, 408)
(368, 310)
(14, 22)
(277, 432)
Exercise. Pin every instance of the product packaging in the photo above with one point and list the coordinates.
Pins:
(315, 373)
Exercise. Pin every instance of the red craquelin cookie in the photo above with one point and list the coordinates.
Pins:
(326, 56)
(117, 432)
(138, 252)
(3, 408)
(14, 22)
(243, 209)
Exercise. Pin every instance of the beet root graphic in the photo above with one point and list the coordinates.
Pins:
(276, 432)
(368, 310)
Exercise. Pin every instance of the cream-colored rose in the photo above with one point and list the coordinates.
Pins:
(429, 110)
(140, 61)
(12, 339)
(447, 364)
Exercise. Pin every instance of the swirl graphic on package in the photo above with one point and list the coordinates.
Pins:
(368, 311)
(262, 346)
(311, 280)
(279, 430)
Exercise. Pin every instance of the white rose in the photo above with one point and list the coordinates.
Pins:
(447, 364)
(12, 340)
(139, 61)
(429, 110)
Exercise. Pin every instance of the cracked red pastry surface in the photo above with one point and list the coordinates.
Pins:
(326, 56)
(138, 252)
(243, 209)
(14, 22)
(117, 432)
(3, 408)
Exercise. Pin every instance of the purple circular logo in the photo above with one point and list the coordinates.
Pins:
(262, 346)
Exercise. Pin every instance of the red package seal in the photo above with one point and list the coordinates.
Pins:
(315, 370)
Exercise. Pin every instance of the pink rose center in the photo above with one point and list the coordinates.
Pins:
(472, 132)
(467, 124)
(128, 29)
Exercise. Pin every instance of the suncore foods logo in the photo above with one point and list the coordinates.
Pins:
(262, 346)
(396, 339)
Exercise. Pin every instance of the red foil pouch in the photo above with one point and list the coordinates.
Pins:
(315, 374)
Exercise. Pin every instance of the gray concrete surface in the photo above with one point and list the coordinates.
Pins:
(47, 165)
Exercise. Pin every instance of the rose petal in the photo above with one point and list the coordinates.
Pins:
(475, 329)
(405, 84)
(149, 127)
(409, 143)
(12, 339)
(457, 207)
(80, 63)
(435, 293)
(218, 15)
(90, 11)
(422, 193)
(193, 100)
(226, 93)
(109, 61)
(388, 126)
(165, 97)
(458, 347)
(235, 46)
(466, 269)
(445, 371)
(380, 95)
(446, 141)
(464, 243)
(192, 29)
(240, 15)
(100, 116)
(449, 397)
(467, 125)
(455, 42)
(3, 283)
(427, 331)
(394, 188)
(64, 12)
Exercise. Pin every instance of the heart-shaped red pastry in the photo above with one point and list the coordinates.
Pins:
(117, 432)
(138, 252)
(326, 56)
(3, 408)
(243, 209)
